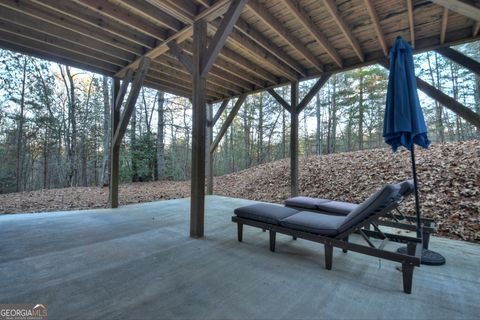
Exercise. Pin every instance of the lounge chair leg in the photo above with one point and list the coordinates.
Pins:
(240, 231)
(346, 240)
(328, 256)
(407, 271)
(272, 240)
(411, 247)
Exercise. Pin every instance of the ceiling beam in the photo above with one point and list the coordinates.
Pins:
(411, 22)
(332, 9)
(260, 11)
(460, 7)
(376, 24)
(314, 31)
(443, 31)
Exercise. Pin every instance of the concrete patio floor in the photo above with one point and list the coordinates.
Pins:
(137, 262)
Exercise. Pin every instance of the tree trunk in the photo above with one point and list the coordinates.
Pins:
(160, 137)
(20, 154)
(318, 143)
(260, 131)
(360, 114)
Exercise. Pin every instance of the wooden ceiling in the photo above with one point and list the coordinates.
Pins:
(273, 42)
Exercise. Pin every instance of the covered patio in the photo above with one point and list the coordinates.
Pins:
(138, 262)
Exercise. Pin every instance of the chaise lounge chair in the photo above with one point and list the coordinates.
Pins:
(333, 231)
(395, 218)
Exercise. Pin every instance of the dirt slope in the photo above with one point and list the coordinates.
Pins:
(449, 176)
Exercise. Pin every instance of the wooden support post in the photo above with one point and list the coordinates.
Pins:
(461, 59)
(294, 139)
(294, 108)
(197, 200)
(114, 151)
(209, 160)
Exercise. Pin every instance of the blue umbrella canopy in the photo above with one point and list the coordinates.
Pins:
(404, 124)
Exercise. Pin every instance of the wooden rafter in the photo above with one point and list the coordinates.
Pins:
(152, 13)
(268, 46)
(314, 31)
(124, 17)
(259, 10)
(376, 24)
(332, 9)
(75, 11)
(463, 8)
(411, 22)
(443, 32)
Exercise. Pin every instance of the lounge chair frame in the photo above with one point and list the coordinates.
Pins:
(409, 261)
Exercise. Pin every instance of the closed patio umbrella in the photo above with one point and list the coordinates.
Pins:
(404, 124)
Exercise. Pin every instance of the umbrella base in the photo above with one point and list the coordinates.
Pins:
(429, 257)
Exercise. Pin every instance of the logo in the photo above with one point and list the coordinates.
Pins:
(23, 312)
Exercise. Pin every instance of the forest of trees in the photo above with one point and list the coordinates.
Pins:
(54, 123)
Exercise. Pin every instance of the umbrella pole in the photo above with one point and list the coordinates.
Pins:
(417, 200)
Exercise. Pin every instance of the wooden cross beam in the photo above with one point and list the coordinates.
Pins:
(132, 99)
(218, 41)
(460, 7)
(280, 100)
(306, 100)
(466, 113)
(118, 98)
(219, 112)
(461, 59)
(313, 91)
(228, 122)
(181, 56)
